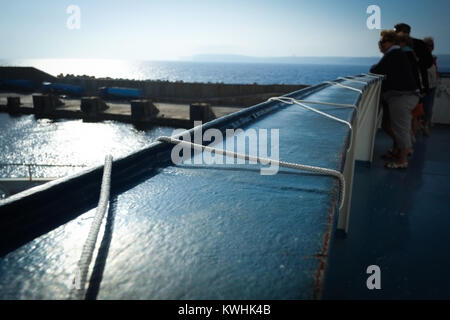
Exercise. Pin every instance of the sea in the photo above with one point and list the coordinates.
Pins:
(189, 71)
(213, 72)
(55, 148)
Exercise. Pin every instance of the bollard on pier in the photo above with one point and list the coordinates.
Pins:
(143, 110)
(92, 106)
(13, 104)
(201, 112)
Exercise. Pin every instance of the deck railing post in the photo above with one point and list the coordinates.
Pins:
(364, 132)
(349, 169)
(368, 123)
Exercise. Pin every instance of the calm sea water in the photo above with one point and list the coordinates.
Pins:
(71, 145)
(235, 73)
(261, 73)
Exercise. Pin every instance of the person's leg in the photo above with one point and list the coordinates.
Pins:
(428, 109)
(386, 126)
(415, 125)
(386, 121)
(401, 107)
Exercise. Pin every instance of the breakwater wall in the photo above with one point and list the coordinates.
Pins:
(242, 95)
(185, 92)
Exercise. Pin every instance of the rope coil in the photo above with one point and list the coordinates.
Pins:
(89, 246)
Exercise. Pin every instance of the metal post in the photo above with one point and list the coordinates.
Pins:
(364, 131)
(367, 124)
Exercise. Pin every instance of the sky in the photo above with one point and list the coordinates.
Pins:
(175, 29)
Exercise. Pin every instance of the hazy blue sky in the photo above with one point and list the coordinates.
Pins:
(170, 29)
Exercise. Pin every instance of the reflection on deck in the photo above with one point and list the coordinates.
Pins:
(399, 221)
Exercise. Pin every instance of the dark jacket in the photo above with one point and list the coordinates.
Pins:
(398, 71)
(413, 61)
(425, 60)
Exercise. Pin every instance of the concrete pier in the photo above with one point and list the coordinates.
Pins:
(236, 95)
(177, 102)
(176, 115)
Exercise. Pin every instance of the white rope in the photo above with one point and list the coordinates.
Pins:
(377, 75)
(352, 80)
(317, 170)
(343, 86)
(373, 75)
(89, 245)
(291, 101)
(339, 105)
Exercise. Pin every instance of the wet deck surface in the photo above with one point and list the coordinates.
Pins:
(400, 221)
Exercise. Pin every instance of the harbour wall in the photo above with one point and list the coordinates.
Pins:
(179, 92)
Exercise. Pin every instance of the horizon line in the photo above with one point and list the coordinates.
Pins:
(205, 55)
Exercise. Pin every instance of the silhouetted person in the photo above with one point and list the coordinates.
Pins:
(422, 52)
(400, 93)
(433, 81)
(406, 44)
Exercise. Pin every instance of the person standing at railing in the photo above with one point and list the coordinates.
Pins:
(433, 81)
(425, 59)
(406, 44)
(400, 93)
